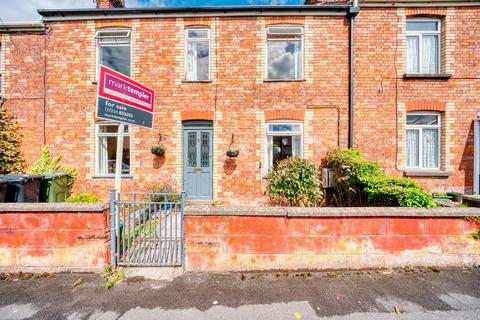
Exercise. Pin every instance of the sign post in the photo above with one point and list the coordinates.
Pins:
(126, 101)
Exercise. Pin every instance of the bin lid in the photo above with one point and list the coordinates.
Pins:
(21, 177)
(54, 175)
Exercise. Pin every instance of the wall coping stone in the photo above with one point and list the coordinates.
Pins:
(53, 207)
(205, 210)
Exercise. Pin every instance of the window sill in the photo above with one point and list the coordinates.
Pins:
(440, 76)
(196, 81)
(426, 173)
(124, 176)
(284, 80)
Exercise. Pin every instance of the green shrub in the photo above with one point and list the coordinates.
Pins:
(47, 164)
(294, 182)
(11, 159)
(360, 182)
(83, 197)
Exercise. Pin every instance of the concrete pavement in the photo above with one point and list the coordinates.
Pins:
(416, 293)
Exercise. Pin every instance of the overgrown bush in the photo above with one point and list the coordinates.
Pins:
(360, 182)
(83, 197)
(47, 164)
(294, 182)
(11, 158)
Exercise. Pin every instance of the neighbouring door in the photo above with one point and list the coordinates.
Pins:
(197, 160)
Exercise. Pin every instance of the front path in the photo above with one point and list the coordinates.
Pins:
(417, 293)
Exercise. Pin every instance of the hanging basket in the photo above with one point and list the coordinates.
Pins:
(158, 150)
(232, 153)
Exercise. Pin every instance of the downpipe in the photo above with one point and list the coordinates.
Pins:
(352, 12)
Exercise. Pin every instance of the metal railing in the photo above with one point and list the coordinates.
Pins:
(146, 229)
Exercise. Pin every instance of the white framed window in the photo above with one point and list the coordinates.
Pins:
(284, 139)
(284, 53)
(114, 50)
(197, 54)
(106, 149)
(423, 45)
(423, 140)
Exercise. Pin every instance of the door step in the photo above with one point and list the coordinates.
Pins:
(155, 273)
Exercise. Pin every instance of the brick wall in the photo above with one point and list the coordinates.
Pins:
(54, 237)
(239, 101)
(383, 96)
(355, 239)
(237, 98)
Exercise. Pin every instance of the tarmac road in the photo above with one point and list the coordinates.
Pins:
(411, 293)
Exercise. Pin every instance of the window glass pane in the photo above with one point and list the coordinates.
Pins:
(413, 148)
(422, 119)
(297, 146)
(412, 54)
(285, 30)
(285, 60)
(282, 148)
(429, 54)
(116, 58)
(108, 155)
(106, 128)
(192, 149)
(205, 150)
(195, 33)
(422, 26)
(284, 127)
(198, 62)
(430, 147)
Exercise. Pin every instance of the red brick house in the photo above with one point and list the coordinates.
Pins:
(398, 80)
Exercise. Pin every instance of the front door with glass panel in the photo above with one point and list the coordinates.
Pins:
(197, 159)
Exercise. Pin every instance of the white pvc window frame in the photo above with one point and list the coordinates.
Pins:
(269, 142)
(104, 34)
(103, 172)
(420, 35)
(420, 128)
(302, 46)
(185, 50)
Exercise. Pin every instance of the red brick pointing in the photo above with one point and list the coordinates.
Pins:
(284, 115)
(426, 106)
(197, 115)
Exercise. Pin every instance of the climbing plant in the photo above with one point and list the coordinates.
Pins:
(11, 158)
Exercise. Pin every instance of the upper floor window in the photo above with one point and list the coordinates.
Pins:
(114, 50)
(423, 140)
(106, 145)
(284, 53)
(284, 139)
(197, 55)
(423, 46)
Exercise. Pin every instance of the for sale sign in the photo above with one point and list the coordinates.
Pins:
(124, 100)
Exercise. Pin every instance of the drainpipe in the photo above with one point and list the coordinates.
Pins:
(352, 12)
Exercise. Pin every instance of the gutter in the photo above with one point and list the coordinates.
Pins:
(419, 4)
(176, 12)
(352, 13)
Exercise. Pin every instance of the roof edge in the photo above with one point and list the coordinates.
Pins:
(122, 13)
(419, 4)
(10, 27)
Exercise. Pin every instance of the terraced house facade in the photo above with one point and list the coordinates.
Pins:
(397, 80)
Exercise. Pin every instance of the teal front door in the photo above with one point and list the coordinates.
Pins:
(197, 161)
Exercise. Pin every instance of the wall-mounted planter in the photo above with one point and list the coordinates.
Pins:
(233, 153)
(158, 150)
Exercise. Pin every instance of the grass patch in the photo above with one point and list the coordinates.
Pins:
(112, 276)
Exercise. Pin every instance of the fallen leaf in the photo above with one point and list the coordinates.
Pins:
(397, 310)
(78, 282)
(297, 315)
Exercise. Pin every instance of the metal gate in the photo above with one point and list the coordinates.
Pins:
(146, 229)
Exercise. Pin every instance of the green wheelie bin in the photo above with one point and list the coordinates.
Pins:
(54, 187)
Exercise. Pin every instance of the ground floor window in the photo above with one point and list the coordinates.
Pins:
(107, 135)
(423, 140)
(284, 139)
